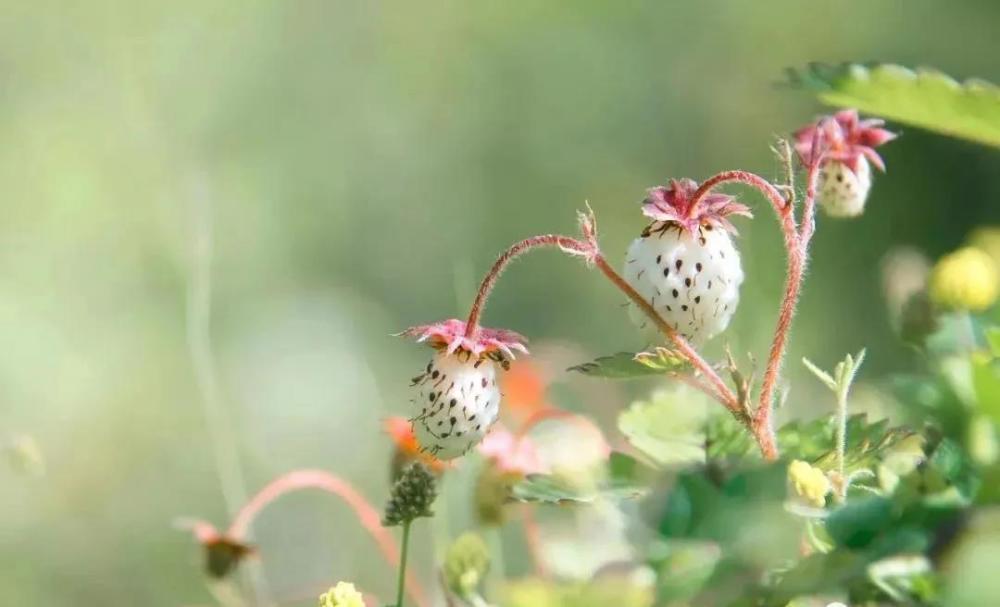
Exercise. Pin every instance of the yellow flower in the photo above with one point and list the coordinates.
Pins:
(342, 595)
(808, 482)
(966, 279)
(987, 240)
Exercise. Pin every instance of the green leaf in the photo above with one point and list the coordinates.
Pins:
(993, 339)
(669, 428)
(924, 97)
(868, 443)
(859, 522)
(552, 489)
(628, 365)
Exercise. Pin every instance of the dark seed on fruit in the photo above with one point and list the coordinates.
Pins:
(684, 307)
(697, 266)
(679, 263)
(666, 271)
(697, 299)
(687, 282)
(676, 293)
(435, 374)
(658, 257)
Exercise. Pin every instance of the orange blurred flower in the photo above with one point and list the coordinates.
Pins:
(407, 447)
(524, 389)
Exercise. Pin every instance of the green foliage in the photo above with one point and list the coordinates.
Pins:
(924, 97)
(669, 428)
(628, 365)
(597, 593)
(560, 489)
(867, 442)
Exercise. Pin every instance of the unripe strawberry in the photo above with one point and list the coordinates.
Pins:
(842, 192)
(457, 396)
(685, 264)
(457, 400)
(848, 146)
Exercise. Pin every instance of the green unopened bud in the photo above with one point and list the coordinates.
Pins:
(342, 595)
(411, 497)
(492, 494)
(466, 564)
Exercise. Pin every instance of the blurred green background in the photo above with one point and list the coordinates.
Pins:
(356, 166)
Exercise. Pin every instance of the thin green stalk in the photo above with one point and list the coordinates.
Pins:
(842, 438)
(401, 584)
(498, 571)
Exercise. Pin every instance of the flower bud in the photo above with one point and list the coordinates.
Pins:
(466, 564)
(965, 280)
(342, 595)
(808, 483)
(411, 497)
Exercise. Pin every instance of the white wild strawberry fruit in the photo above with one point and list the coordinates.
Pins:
(457, 396)
(842, 191)
(457, 401)
(847, 145)
(685, 264)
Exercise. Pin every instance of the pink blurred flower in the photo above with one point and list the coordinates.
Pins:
(510, 453)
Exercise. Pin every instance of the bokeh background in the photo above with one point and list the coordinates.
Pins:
(330, 172)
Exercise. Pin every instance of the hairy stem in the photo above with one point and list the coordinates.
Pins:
(400, 585)
(725, 395)
(514, 251)
(841, 439)
(796, 239)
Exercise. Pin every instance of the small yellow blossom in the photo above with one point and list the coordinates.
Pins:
(342, 595)
(966, 280)
(987, 240)
(808, 482)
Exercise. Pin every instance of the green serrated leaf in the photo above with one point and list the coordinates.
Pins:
(868, 443)
(552, 489)
(669, 428)
(923, 97)
(629, 365)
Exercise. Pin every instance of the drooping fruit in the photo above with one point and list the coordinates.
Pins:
(458, 401)
(685, 264)
(847, 146)
(457, 397)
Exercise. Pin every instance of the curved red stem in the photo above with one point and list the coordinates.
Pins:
(796, 240)
(367, 515)
(514, 251)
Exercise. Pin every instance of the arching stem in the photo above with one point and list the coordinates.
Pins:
(514, 251)
(366, 514)
(796, 239)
